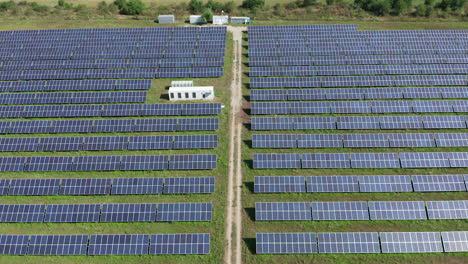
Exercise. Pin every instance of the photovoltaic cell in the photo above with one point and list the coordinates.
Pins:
(128, 213)
(332, 184)
(13, 244)
(281, 211)
(410, 242)
(348, 243)
(118, 245)
(286, 243)
(85, 186)
(174, 212)
(438, 183)
(447, 209)
(58, 245)
(279, 184)
(397, 210)
(22, 213)
(72, 213)
(126, 186)
(278, 161)
(340, 211)
(326, 160)
(456, 241)
(189, 185)
(385, 183)
(34, 187)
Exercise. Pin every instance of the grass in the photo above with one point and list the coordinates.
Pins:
(155, 95)
(251, 227)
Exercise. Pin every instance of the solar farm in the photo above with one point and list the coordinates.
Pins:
(355, 148)
(323, 144)
(94, 159)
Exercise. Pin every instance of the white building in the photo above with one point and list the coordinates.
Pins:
(191, 93)
(196, 19)
(240, 20)
(166, 19)
(220, 20)
(182, 84)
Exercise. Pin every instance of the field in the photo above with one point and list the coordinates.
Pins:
(251, 227)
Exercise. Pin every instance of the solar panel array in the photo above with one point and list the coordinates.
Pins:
(110, 110)
(360, 210)
(361, 160)
(334, 77)
(359, 122)
(108, 125)
(128, 53)
(361, 242)
(358, 107)
(74, 85)
(107, 186)
(374, 140)
(109, 163)
(44, 144)
(81, 213)
(94, 245)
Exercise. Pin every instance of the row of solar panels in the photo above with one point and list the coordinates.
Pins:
(140, 73)
(74, 85)
(299, 28)
(357, 93)
(105, 213)
(372, 210)
(94, 245)
(262, 50)
(358, 81)
(365, 184)
(359, 70)
(108, 186)
(358, 107)
(361, 160)
(401, 140)
(359, 122)
(108, 143)
(355, 60)
(110, 110)
(107, 64)
(346, 41)
(108, 125)
(72, 98)
(109, 163)
(383, 242)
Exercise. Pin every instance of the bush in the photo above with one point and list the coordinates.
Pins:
(133, 7)
(64, 5)
(329, 2)
(8, 6)
(214, 6)
(39, 8)
(120, 3)
(229, 6)
(253, 4)
(196, 6)
(380, 7)
(307, 3)
(400, 6)
(207, 15)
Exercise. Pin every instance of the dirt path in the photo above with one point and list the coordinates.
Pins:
(234, 206)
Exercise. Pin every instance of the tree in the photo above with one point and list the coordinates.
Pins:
(329, 2)
(400, 6)
(207, 15)
(229, 6)
(253, 4)
(133, 7)
(380, 7)
(457, 4)
(214, 6)
(308, 3)
(120, 3)
(196, 6)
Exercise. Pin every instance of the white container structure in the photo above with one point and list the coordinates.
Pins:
(240, 20)
(191, 93)
(220, 20)
(182, 84)
(196, 19)
(166, 19)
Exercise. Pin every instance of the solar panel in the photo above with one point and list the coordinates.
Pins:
(424, 160)
(58, 245)
(410, 140)
(4, 186)
(85, 186)
(358, 122)
(385, 183)
(34, 187)
(195, 141)
(189, 185)
(128, 212)
(438, 183)
(19, 144)
(118, 245)
(391, 107)
(451, 139)
(340, 211)
(180, 244)
(458, 159)
(96, 163)
(72, 213)
(365, 141)
(122, 186)
(447, 209)
(174, 212)
(150, 142)
(273, 141)
(137, 163)
(401, 122)
(332, 184)
(286, 243)
(48, 164)
(441, 122)
(320, 141)
(310, 122)
(397, 210)
(192, 162)
(348, 243)
(105, 143)
(61, 144)
(325, 160)
(22, 213)
(276, 161)
(456, 241)
(12, 163)
(279, 184)
(410, 242)
(13, 244)
(281, 211)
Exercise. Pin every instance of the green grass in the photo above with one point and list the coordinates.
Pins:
(251, 227)
(155, 95)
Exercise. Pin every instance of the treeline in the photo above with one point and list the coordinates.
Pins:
(258, 9)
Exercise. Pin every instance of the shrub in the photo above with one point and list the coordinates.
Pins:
(229, 7)
(133, 7)
(8, 6)
(207, 15)
(329, 2)
(64, 5)
(39, 8)
(120, 3)
(380, 7)
(214, 6)
(253, 4)
(196, 6)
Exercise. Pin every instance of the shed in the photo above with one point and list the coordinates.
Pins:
(182, 84)
(240, 20)
(196, 19)
(166, 19)
(220, 20)
(191, 93)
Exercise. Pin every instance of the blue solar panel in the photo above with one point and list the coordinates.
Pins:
(397, 210)
(58, 245)
(320, 141)
(332, 184)
(184, 212)
(279, 161)
(375, 160)
(282, 211)
(438, 183)
(279, 184)
(22, 213)
(447, 209)
(34, 187)
(137, 186)
(340, 211)
(424, 160)
(286, 243)
(85, 186)
(72, 213)
(13, 244)
(456, 241)
(273, 141)
(189, 185)
(144, 162)
(192, 162)
(325, 160)
(180, 244)
(118, 245)
(410, 242)
(150, 142)
(128, 213)
(348, 243)
(385, 183)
